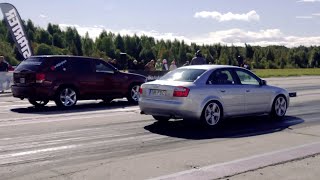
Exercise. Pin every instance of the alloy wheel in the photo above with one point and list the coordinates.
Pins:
(212, 113)
(68, 97)
(280, 106)
(135, 93)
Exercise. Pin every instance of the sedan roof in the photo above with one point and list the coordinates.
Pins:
(207, 67)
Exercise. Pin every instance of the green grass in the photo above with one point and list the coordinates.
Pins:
(264, 73)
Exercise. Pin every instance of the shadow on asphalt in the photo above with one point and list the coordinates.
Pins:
(229, 128)
(78, 108)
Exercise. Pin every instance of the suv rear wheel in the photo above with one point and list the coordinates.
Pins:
(66, 97)
(38, 103)
(133, 94)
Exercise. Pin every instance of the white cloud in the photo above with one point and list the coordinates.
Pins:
(262, 38)
(308, 1)
(235, 36)
(43, 16)
(304, 17)
(250, 16)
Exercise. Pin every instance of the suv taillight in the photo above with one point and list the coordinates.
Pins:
(140, 90)
(181, 92)
(40, 77)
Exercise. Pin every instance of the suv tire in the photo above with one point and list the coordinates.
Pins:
(66, 97)
(40, 103)
(133, 93)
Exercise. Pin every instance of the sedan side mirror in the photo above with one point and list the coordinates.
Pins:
(263, 83)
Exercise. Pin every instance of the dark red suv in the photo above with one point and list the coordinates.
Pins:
(67, 79)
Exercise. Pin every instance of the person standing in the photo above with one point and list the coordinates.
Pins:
(173, 66)
(4, 67)
(165, 65)
(198, 60)
(158, 65)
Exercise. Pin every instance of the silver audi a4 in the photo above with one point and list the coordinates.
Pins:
(209, 93)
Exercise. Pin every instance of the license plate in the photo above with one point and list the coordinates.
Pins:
(22, 80)
(156, 92)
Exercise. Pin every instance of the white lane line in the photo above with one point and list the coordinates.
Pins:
(37, 151)
(245, 164)
(63, 118)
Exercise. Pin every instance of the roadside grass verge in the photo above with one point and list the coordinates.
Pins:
(264, 73)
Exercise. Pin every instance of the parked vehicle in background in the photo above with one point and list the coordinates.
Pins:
(67, 79)
(210, 93)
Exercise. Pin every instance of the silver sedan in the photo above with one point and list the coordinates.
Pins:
(209, 93)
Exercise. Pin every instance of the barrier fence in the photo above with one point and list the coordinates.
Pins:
(151, 75)
(6, 80)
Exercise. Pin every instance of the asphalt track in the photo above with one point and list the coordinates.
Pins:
(99, 141)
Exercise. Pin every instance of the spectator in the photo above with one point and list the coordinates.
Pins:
(173, 66)
(114, 63)
(186, 64)
(135, 65)
(164, 65)
(150, 66)
(198, 60)
(240, 61)
(141, 65)
(158, 65)
(4, 67)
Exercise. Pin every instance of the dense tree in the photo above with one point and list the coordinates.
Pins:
(54, 40)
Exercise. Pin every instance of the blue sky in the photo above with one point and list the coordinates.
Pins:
(257, 22)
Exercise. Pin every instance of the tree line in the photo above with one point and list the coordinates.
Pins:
(55, 41)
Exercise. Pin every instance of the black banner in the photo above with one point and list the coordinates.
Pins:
(151, 75)
(15, 26)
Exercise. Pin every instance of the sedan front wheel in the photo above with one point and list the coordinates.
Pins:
(279, 107)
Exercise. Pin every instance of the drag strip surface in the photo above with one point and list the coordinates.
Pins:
(113, 141)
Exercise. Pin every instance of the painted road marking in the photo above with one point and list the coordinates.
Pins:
(246, 164)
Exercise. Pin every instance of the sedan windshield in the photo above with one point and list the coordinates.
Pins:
(185, 75)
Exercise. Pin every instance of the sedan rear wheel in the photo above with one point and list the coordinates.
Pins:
(40, 103)
(67, 97)
(279, 107)
(212, 114)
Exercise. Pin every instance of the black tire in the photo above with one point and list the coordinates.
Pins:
(66, 97)
(40, 103)
(161, 118)
(212, 114)
(133, 93)
(279, 107)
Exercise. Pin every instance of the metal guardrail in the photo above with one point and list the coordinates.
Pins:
(6, 80)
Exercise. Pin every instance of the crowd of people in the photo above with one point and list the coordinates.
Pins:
(164, 65)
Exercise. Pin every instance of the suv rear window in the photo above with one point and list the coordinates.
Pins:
(31, 64)
(185, 75)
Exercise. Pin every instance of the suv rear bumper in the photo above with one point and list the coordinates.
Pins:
(32, 92)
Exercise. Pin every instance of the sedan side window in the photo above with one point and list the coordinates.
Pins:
(101, 67)
(220, 77)
(246, 78)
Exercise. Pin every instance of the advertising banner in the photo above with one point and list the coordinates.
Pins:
(15, 26)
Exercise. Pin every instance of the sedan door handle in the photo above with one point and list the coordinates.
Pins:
(247, 90)
(223, 91)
